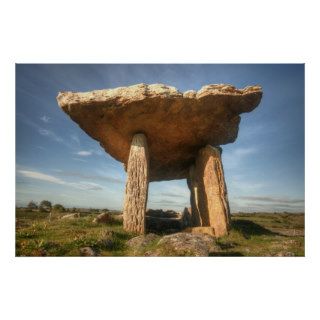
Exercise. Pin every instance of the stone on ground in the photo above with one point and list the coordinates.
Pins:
(104, 217)
(71, 216)
(187, 244)
(161, 220)
(177, 244)
(87, 252)
(139, 243)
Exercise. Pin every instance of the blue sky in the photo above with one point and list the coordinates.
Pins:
(56, 160)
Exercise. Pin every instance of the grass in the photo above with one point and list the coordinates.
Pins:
(259, 234)
(263, 234)
(37, 236)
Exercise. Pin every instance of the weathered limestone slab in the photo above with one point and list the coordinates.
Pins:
(210, 192)
(137, 186)
(176, 124)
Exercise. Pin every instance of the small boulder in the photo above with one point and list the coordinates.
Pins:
(159, 213)
(186, 217)
(187, 244)
(104, 217)
(71, 216)
(138, 244)
(118, 217)
(160, 220)
(87, 252)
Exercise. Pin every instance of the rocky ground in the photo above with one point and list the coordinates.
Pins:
(258, 234)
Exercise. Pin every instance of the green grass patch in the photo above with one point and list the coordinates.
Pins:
(259, 234)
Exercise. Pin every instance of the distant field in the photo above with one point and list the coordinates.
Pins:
(258, 234)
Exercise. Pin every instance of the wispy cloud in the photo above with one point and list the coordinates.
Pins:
(84, 153)
(172, 195)
(45, 119)
(236, 157)
(82, 185)
(90, 177)
(41, 176)
(87, 153)
(278, 200)
(241, 152)
(81, 160)
(75, 139)
(168, 203)
(43, 131)
(164, 201)
(274, 206)
(267, 204)
(239, 183)
(50, 134)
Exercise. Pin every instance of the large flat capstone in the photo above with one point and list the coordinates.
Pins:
(177, 125)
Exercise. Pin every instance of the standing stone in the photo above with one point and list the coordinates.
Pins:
(137, 186)
(210, 191)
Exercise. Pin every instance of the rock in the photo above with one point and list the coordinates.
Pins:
(209, 198)
(175, 124)
(160, 220)
(159, 213)
(186, 244)
(117, 217)
(163, 224)
(71, 216)
(186, 217)
(103, 218)
(87, 252)
(137, 244)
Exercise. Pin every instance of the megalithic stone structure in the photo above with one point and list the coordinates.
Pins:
(181, 128)
(208, 188)
(137, 186)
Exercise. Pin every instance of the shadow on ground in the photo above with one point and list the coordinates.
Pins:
(225, 254)
(248, 228)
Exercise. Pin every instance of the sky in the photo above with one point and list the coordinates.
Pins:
(57, 161)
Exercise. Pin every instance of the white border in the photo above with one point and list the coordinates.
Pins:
(159, 31)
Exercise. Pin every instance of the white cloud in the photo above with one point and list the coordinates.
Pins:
(86, 185)
(284, 200)
(45, 119)
(84, 153)
(48, 178)
(41, 176)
